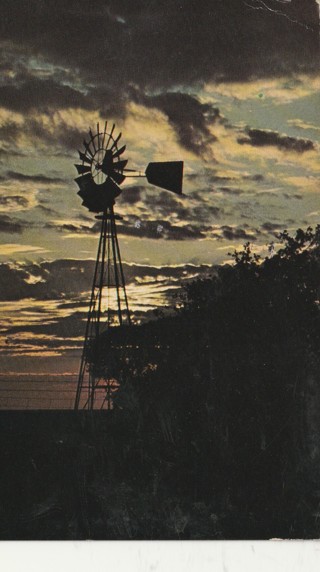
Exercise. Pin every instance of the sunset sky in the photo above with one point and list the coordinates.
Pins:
(231, 87)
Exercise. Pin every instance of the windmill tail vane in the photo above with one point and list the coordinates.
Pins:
(101, 172)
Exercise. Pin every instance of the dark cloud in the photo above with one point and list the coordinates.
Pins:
(54, 280)
(47, 210)
(237, 233)
(13, 285)
(263, 138)
(9, 133)
(133, 194)
(292, 196)
(9, 225)
(29, 93)
(231, 190)
(271, 227)
(257, 177)
(161, 204)
(68, 305)
(156, 229)
(152, 222)
(214, 178)
(9, 152)
(73, 228)
(33, 93)
(65, 327)
(144, 228)
(189, 117)
(206, 212)
(13, 200)
(134, 272)
(43, 179)
(158, 203)
(156, 44)
(61, 135)
(70, 282)
(61, 54)
(66, 279)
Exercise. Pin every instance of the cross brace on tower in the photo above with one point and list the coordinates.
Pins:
(96, 384)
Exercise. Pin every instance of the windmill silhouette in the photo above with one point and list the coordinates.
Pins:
(101, 172)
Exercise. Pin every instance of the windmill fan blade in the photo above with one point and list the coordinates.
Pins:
(97, 198)
(166, 175)
(104, 134)
(117, 177)
(91, 202)
(110, 136)
(82, 169)
(87, 147)
(84, 158)
(111, 187)
(119, 152)
(120, 165)
(92, 140)
(114, 144)
(85, 182)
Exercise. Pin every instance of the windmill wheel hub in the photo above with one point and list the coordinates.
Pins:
(107, 163)
(101, 171)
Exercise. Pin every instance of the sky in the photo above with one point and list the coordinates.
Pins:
(230, 87)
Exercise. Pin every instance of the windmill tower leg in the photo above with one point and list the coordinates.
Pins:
(94, 390)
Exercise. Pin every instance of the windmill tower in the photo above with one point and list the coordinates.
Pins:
(101, 173)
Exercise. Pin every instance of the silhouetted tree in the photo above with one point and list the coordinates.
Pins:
(217, 395)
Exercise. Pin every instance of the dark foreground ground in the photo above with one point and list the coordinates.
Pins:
(68, 475)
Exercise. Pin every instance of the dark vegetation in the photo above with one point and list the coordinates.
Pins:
(215, 430)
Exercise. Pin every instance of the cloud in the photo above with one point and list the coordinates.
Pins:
(163, 229)
(157, 203)
(195, 209)
(300, 124)
(73, 228)
(22, 192)
(160, 215)
(292, 196)
(189, 117)
(154, 45)
(231, 190)
(10, 249)
(283, 89)
(232, 233)
(13, 285)
(46, 210)
(30, 93)
(45, 281)
(34, 131)
(42, 179)
(263, 138)
(64, 279)
(13, 201)
(133, 194)
(65, 327)
(271, 227)
(8, 225)
(44, 306)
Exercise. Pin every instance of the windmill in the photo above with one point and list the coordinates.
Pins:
(101, 172)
